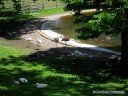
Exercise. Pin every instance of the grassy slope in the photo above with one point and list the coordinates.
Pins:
(13, 67)
(63, 75)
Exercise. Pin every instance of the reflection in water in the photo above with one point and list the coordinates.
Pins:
(65, 25)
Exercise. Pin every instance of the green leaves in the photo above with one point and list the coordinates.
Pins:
(17, 5)
(109, 22)
(1, 3)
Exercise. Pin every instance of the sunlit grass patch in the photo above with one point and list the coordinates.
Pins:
(46, 12)
(65, 76)
(6, 51)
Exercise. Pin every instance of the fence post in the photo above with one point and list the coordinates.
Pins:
(42, 6)
(56, 3)
(29, 8)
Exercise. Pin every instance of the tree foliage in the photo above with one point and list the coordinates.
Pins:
(111, 21)
(105, 22)
(16, 4)
(1, 3)
(78, 5)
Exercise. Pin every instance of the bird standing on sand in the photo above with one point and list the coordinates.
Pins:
(56, 40)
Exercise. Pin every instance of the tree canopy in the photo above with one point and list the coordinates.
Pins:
(110, 20)
(77, 5)
(16, 4)
(105, 22)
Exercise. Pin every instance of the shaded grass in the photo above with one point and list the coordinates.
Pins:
(65, 76)
(6, 51)
(12, 67)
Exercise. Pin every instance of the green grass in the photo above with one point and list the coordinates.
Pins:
(41, 13)
(65, 76)
(12, 67)
(47, 12)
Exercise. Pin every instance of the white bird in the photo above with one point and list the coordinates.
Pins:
(29, 39)
(20, 81)
(61, 37)
(30, 42)
(16, 82)
(108, 38)
(39, 41)
(23, 80)
(77, 54)
(41, 85)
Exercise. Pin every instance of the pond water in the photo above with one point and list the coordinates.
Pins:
(65, 25)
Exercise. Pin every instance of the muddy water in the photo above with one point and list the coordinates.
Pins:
(65, 25)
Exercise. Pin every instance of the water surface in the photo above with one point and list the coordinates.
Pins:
(65, 25)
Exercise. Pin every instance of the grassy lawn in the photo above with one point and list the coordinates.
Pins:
(47, 12)
(65, 76)
(12, 67)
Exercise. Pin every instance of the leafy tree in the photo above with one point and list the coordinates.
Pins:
(112, 20)
(16, 4)
(13, 19)
(1, 3)
(78, 5)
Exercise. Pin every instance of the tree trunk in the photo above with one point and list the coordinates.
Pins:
(124, 53)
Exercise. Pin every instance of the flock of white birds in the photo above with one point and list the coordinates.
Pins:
(43, 85)
(25, 81)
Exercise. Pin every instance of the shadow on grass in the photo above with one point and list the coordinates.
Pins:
(64, 74)
(7, 13)
(15, 67)
(11, 23)
(93, 65)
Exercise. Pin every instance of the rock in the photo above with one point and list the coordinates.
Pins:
(114, 60)
(32, 56)
(65, 39)
(77, 54)
(39, 41)
(23, 55)
(20, 81)
(41, 85)
(23, 80)
(108, 38)
(29, 38)
(16, 82)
